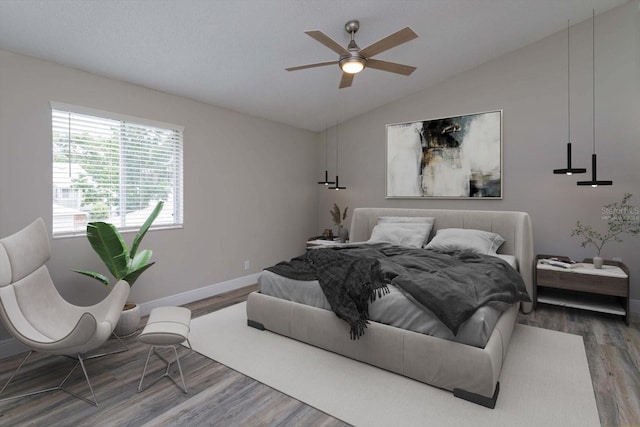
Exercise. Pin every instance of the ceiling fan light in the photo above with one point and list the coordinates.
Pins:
(352, 65)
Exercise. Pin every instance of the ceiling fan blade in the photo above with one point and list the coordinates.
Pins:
(395, 39)
(304, 67)
(391, 67)
(346, 80)
(328, 42)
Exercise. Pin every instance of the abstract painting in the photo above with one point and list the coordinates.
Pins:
(453, 157)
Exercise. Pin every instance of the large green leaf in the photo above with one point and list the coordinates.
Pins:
(138, 265)
(110, 247)
(143, 230)
(100, 277)
(140, 260)
(133, 275)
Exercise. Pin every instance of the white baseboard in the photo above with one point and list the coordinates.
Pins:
(10, 346)
(200, 293)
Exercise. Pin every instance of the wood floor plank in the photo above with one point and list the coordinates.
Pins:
(223, 397)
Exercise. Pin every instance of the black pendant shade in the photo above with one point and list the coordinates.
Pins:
(326, 179)
(594, 180)
(337, 186)
(569, 170)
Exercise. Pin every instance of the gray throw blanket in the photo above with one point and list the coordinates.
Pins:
(349, 282)
(451, 285)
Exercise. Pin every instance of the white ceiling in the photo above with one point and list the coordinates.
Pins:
(232, 53)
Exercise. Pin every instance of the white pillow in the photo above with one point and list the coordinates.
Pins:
(412, 234)
(452, 239)
(426, 220)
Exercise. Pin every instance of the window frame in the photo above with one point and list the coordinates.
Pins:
(178, 198)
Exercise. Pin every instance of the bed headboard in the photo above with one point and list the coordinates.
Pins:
(514, 227)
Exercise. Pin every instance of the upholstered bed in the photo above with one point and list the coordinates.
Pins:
(470, 371)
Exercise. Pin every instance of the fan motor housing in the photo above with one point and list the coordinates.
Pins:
(352, 26)
(355, 56)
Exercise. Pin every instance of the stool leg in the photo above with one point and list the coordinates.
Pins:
(184, 386)
(166, 373)
(166, 362)
(145, 369)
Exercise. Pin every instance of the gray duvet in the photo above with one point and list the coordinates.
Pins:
(409, 308)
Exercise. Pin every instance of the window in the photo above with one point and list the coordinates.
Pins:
(113, 168)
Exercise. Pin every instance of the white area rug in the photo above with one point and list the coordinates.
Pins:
(545, 380)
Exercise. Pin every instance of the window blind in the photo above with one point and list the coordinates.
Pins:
(113, 168)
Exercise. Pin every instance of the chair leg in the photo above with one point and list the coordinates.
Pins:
(166, 371)
(59, 387)
(123, 349)
(11, 379)
(79, 361)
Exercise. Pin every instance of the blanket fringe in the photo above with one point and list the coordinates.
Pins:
(379, 292)
(357, 329)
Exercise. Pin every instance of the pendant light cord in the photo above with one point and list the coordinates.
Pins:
(568, 83)
(337, 146)
(593, 33)
(326, 150)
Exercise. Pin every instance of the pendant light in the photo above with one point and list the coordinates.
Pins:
(337, 186)
(326, 172)
(569, 170)
(594, 180)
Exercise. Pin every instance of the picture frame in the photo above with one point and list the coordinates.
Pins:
(458, 157)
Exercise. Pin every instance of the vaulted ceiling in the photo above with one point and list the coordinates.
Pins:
(233, 53)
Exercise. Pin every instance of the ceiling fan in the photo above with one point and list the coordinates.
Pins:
(353, 59)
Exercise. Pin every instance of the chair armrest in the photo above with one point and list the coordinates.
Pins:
(75, 340)
(110, 308)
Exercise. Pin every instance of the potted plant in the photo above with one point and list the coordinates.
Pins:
(343, 233)
(123, 263)
(622, 218)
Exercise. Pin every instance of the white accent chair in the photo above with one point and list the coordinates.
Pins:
(32, 310)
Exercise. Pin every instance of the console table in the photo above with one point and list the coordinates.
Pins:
(604, 290)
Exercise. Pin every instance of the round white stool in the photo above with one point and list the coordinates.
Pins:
(166, 327)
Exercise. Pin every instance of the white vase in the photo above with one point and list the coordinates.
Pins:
(343, 233)
(129, 320)
(597, 262)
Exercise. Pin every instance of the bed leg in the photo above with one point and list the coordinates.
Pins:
(255, 324)
(489, 402)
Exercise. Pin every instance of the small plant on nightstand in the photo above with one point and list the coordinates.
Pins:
(337, 220)
(623, 218)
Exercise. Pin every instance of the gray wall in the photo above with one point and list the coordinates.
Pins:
(249, 183)
(530, 86)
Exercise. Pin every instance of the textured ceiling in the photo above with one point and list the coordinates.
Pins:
(232, 53)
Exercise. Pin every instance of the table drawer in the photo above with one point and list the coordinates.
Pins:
(603, 285)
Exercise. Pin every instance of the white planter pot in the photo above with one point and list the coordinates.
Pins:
(597, 262)
(129, 320)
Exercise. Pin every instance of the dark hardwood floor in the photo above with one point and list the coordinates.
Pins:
(222, 397)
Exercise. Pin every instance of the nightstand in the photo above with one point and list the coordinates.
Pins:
(324, 243)
(604, 290)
